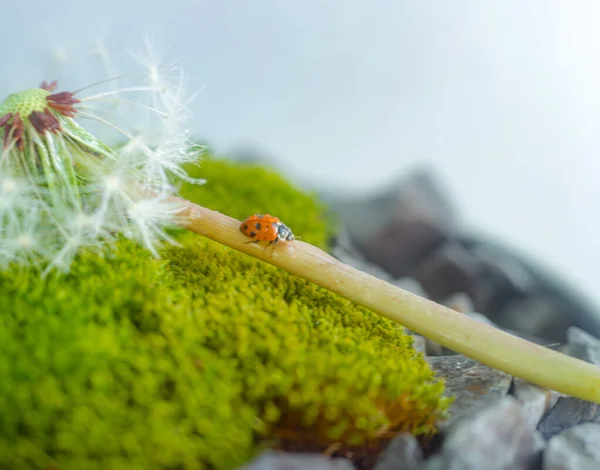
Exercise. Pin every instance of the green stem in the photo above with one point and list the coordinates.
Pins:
(64, 162)
(49, 173)
(486, 344)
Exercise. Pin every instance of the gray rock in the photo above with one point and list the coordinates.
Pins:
(411, 285)
(401, 225)
(471, 383)
(433, 349)
(480, 318)
(403, 453)
(582, 345)
(523, 286)
(275, 460)
(419, 343)
(503, 278)
(402, 245)
(415, 196)
(567, 412)
(460, 302)
(536, 315)
(448, 270)
(535, 401)
(505, 270)
(497, 437)
(575, 449)
(344, 250)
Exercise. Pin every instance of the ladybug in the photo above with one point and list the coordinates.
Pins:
(265, 227)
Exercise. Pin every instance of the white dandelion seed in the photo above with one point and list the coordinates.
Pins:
(62, 189)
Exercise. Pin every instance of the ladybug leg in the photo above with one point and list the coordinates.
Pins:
(252, 241)
(274, 242)
(268, 244)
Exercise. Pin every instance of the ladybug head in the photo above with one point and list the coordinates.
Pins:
(284, 233)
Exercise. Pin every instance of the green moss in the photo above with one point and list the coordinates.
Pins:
(93, 375)
(196, 360)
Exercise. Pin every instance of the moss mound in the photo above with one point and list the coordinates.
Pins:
(196, 360)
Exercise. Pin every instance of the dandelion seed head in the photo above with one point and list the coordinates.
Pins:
(25, 102)
(63, 190)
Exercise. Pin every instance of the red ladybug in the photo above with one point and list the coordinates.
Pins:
(265, 227)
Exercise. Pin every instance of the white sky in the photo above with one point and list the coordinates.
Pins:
(501, 98)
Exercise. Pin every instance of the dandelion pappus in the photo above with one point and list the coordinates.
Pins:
(265, 227)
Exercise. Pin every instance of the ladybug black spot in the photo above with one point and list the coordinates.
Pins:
(252, 234)
(245, 226)
(257, 226)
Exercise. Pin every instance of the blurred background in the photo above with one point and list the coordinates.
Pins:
(500, 100)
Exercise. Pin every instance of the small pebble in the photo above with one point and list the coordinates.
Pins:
(536, 315)
(471, 383)
(402, 453)
(567, 412)
(276, 460)
(505, 268)
(411, 285)
(460, 302)
(419, 343)
(582, 345)
(575, 449)
(480, 318)
(448, 270)
(434, 349)
(497, 437)
(535, 401)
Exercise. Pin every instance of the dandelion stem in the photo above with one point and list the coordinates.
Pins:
(49, 173)
(484, 343)
(68, 169)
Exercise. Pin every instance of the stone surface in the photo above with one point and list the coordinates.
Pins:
(275, 460)
(419, 343)
(575, 449)
(460, 302)
(402, 245)
(506, 269)
(503, 277)
(582, 345)
(472, 384)
(528, 287)
(414, 196)
(535, 401)
(434, 349)
(480, 318)
(568, 412)
(536, 315)
(399, 226)
(411, 285)
(402, 453)
(497, 437)
(410, 230)
(448, 270)
(344, 250)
